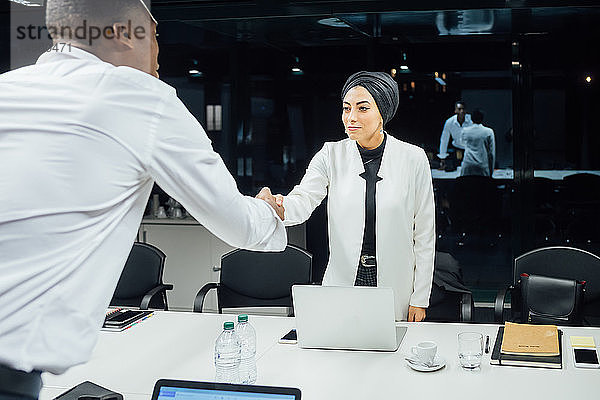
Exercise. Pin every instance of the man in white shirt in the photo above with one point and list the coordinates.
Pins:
(84, 134)
(480, 148)
(453, 128)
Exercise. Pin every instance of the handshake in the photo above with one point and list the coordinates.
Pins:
(275, 201)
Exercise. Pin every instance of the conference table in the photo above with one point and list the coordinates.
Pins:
(178, 345)
(508, 174)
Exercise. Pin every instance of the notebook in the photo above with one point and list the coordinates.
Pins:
(498, 358)
(527, 339)
(120, 319)
(166, 389)
(348, 318)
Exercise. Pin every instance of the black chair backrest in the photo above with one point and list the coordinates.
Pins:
(262, 279)
(143, 271)
(583, 185)
(447, 291)
(567, 263)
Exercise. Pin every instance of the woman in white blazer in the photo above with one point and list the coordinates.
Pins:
(385, 209)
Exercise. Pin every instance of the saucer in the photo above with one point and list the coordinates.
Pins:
(439, 361)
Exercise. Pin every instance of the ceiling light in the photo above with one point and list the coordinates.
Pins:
(296, 69)
(334, 22)
(194, 73)
(30, 3)
(588, 79)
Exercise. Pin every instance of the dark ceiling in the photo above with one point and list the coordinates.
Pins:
(432, 34)
(450, 35)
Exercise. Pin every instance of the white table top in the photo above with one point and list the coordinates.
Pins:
(509, 174)
(170, 344)
(180, 346)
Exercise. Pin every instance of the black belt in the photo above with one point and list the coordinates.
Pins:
(21, 383)
(368, 261)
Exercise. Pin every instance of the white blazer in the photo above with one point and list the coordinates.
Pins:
(405, 217)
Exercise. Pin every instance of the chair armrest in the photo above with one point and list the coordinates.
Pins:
(152, 292)
(499, 306)
(466, 307)
(199, 300)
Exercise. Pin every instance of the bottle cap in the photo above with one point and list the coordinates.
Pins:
(228, 325)
(243, 318)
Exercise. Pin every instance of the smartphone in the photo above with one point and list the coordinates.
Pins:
(122, 317)
(289, 338)
(586, 358)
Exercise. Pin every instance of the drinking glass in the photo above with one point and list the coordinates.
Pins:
(470, 349)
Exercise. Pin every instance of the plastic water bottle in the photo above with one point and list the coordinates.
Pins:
(227, 355)
(247, 337)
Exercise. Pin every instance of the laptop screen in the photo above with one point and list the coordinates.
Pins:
(166, 389)
(175, 393)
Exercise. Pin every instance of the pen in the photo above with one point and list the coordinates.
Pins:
(487, 344)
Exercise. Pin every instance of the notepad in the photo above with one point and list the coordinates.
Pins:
(583, 342)
(534, 340)
(498, 358)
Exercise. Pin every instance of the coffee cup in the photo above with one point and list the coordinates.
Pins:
(425, 352)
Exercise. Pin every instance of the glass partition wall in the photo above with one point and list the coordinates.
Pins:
(277, 79)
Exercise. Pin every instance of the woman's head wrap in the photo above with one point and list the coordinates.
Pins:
(382, 87)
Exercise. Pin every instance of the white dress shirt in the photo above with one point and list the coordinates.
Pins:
(480, 151)
(455, 130)
(81, 144)
(404, 222)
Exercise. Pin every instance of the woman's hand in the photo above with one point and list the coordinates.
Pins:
(279, 199)
(266, 195)
(416, 314)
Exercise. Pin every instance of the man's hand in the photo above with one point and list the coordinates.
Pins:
(266, 195)
(416, 314)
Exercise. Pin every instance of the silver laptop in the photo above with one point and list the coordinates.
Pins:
(353, 318)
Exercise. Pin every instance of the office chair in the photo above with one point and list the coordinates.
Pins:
(450, 299)
(258, 279)
(141, 282)
(554, 262)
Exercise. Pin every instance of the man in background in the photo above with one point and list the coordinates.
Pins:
(480, 147)
(453, 128)
(84, 134)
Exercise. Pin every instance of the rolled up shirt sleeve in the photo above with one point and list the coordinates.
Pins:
(423, 234)
(181, 160)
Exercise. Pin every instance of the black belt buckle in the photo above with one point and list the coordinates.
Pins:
(368, 261)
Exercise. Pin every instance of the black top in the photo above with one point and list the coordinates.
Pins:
(372, 161)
